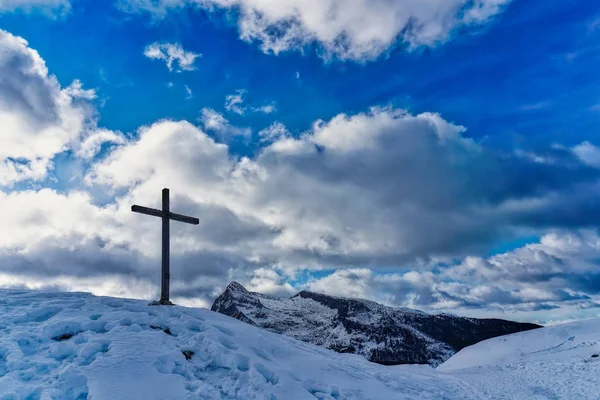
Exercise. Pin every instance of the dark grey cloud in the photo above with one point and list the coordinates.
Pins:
(81, 259)
(439, 192)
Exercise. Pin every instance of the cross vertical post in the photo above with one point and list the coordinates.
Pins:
(166, 216)
(166, 250)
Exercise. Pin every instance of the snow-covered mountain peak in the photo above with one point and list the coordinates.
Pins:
(236, 287)
(382, 334)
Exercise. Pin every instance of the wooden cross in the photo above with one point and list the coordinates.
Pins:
(166, 216)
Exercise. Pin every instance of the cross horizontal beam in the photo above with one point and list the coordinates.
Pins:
(161, 214)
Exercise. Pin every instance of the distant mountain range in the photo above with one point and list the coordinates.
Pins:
(381, 334)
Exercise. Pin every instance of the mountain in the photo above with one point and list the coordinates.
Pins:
(381, 334)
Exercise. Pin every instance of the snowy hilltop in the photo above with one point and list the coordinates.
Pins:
(385, 335)
(68, 346)
(556, 362)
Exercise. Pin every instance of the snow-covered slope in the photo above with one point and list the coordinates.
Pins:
(576, 340)
(76, 346)
(68, 346)
(385, 335)
(556, 362)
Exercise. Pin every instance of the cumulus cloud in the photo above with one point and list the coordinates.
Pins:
(92, 143)
(383, 187)
(269, 281)
(554, 278)
(173, 55)
(349, 30)
(377, 189)
(66, 238)
(39, 118)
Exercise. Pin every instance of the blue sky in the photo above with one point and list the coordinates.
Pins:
(529, 76)
(454, 167)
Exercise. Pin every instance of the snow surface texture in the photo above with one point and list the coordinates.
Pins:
(77, 346)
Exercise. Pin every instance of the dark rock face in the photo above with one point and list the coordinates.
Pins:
(381, 334)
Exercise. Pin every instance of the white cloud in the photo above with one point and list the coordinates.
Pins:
(268, 281)
(92, 143)
(266, 109)
(588, 153)
(234, 102)
(382, 187)
(39, 119)
(159, 149)
(172, 53)
(45, 216)
(274, 132)
(352, 283)
(553, 279)
(215, 122)
(76, 91)
(350, 30)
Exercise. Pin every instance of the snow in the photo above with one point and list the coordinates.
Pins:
(77, 346)
(550, 363)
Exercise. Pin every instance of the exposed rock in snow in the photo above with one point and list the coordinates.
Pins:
(385, 335)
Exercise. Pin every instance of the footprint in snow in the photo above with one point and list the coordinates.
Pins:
(242, 362)
(321, 390)
(92, 350)
(269, 376)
